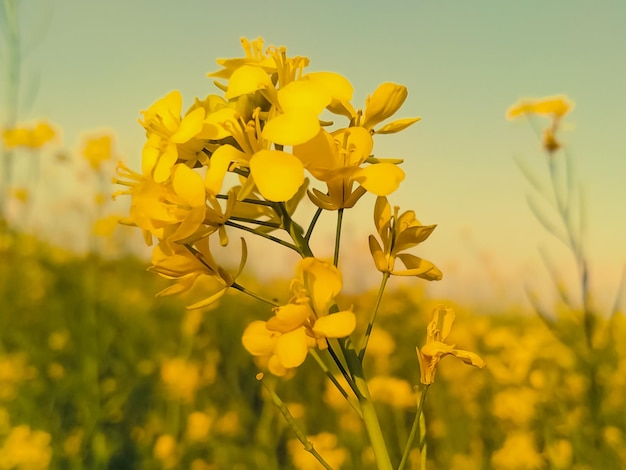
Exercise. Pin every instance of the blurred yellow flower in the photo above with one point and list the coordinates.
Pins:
(180, 378)
(436, 348)
(552, 107)
(97, 150)
(198, 426)
(25, 449)
(21, 194)
(29, 137)
(392, 391)
(519, 452)
(165, 450)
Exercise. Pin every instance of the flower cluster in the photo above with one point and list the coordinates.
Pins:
(266, 130)
(304, 322)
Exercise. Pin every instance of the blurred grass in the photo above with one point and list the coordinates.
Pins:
(95, 372)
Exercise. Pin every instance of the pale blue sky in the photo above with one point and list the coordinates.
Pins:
(464, 62)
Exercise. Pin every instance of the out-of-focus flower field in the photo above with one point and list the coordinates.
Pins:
(95, 372)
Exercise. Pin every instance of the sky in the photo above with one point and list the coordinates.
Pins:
(95, 65)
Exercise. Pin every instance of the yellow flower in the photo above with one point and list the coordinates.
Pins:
(30, 137)
(553, 107)
(26, 449)
(304, 321)
(98, 150)
(336, 159)
(180, 378)
(166, 130)
(399, 233)
(384, 103)
(436, 348)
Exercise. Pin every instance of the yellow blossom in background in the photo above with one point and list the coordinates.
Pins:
(73, 443)
(198, 426)
(552, 107)
(165, 450)
(519, 452)
(105, 226)
(26, 449)
(392, 391)
(33, 137)
(436, 348)
(326, 444)
(21, 194)
(515, 405)
(98, 149)
(180, 378)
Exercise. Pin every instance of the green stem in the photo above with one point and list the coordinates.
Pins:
(308, 445)
(338, 236)
(256, 222)
(409, 443)
(370, 418)
(241, 288)
(261, 234)
(370, 325)
(309, 232)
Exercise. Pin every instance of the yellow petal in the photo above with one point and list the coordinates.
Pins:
(381, 179)
(319, 154)
(304, 95)
(188, 185)
(441, 325)
(218, 167)
(337, 325)
(322, 280)
(277, 174)
(258, 340)
(383, 103)
(247, 79)
(357, 143)
(380, 260)
(214, 125)
(289, 317)
(418, 267)
(397, 126)
(469, 358)
(189, 127)
(338, 86)
(164, 164)
(292, 128)
(291, 348)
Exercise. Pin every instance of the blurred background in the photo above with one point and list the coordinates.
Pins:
(69, 275)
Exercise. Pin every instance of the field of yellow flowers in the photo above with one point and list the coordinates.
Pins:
(97, 373)
(199, 365)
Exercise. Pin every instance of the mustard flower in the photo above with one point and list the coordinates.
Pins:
(98, 149)
(336, 159)
(436, 347)
(383, 104)
(30, 137)
(166, 131)
(186, 266)
(399, 232)
(304, 322)
(553, 107)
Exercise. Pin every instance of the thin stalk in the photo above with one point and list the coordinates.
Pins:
(256, 222)
(254, 295)
(370, 325)
(261, 234)
(338, 236)
(309, 231)
(258, 202)
(308, 445)
(416, 422)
